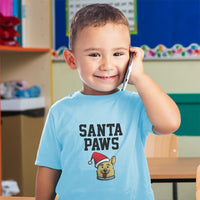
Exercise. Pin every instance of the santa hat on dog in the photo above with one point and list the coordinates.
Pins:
(98, 159)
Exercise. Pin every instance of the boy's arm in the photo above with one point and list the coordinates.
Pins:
(46, 181)
(161, 109)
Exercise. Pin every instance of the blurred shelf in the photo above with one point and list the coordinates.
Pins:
(22, 49)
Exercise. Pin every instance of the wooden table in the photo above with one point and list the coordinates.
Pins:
(173, 170)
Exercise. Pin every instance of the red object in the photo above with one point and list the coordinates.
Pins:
(8, 32)
(9, 42)
(9, 21)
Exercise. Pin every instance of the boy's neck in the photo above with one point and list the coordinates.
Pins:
(95, 92)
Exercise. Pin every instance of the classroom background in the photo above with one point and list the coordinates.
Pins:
(168, 32)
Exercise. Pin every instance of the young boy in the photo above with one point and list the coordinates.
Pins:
(92, 147)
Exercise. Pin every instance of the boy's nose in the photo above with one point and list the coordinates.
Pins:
(106, 64)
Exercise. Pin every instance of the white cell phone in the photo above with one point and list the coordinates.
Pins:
(128, 72)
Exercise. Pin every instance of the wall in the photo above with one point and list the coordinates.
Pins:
(172, 77)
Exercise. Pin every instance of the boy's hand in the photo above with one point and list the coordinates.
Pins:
(138, 69)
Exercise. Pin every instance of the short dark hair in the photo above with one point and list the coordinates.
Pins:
(94, 15)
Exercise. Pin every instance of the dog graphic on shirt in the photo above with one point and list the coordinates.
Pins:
(104, 165)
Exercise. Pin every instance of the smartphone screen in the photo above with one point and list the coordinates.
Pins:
(128, 72)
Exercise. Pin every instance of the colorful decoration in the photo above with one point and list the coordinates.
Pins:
(58, 54)
(176, 52)
(160, 52)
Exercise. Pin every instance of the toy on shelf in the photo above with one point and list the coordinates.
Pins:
(18, 89)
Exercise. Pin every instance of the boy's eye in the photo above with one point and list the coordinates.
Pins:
(117, 54)
(94, 55)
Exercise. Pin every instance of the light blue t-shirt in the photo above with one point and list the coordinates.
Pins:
(98, 143)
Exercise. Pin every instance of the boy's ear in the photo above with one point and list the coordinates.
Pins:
(69, 58)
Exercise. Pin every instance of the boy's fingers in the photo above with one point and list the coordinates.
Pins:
(138, 52)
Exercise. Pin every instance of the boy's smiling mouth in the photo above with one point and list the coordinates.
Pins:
(106, 77)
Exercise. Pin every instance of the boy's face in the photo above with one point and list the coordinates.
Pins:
(101, 56)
